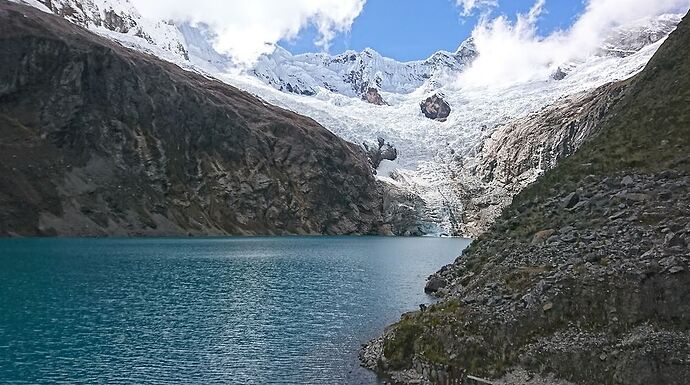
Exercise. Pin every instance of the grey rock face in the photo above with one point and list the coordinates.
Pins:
(517, 153)
(373, 96)
(401, 210)
(435, 107)
(434, 284)
(101, 140)
(385, 151)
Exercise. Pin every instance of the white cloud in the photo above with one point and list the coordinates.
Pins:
(511, 52)
(469, 6)
(246, 29)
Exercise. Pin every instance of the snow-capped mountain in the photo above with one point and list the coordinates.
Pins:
(629, 39)
(455, 174)
(352, 73)
(119, 17)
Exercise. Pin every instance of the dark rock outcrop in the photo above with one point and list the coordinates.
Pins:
(435, 107)
(434, 284)
(559, 74)
(373, 96)
(591, 290)
(117, 23)
(98, 140)
(385, 151)
(403, 211)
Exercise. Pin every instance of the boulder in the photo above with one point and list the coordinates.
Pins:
(559, 74)
(674, 240)
(627, 181)
(434, 284)
(571, 200)
(541, 236)
(435, 107)
(635, 197)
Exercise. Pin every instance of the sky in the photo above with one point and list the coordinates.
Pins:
(532, 32)
(414, 29)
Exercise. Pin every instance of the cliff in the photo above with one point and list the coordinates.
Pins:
(96, 139)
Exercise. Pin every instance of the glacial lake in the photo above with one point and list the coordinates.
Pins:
(289, 310)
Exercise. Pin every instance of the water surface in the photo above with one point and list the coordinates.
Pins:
(205, 311)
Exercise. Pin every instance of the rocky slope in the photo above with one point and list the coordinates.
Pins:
(516, 153)
(97, 139)
(446, 160)
(585, 275)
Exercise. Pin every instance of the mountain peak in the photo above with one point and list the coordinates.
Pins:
(370, 51)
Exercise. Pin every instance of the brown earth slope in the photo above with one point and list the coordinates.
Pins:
(96, 139)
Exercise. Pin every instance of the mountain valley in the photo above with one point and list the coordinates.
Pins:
(449, 163)
(174, 209)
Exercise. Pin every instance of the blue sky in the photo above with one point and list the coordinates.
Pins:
(414, 29)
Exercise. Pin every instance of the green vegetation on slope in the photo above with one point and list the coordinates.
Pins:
(596, 291)
(648, 131)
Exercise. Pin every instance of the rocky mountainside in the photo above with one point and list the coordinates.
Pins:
(516, 153)
(122, 18)
(97, 139)
(584, 278)
(447, 146)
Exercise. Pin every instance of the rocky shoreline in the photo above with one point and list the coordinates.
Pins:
(563, 298)
(585, 277)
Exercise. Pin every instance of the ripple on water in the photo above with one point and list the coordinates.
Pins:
(205, 311)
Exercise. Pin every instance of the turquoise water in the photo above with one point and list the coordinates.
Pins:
(204, 311)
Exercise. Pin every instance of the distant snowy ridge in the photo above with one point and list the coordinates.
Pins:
(352, 73)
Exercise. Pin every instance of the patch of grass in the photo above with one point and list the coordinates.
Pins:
(433, 351)
(524, 277)
(419, 334)
(400, 349)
